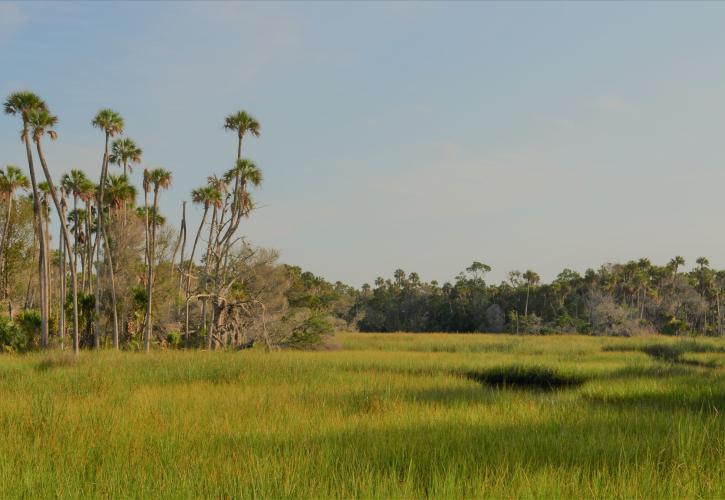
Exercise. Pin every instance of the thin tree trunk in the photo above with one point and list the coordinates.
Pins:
(206, 272)
(29, 288)
(41, 240)
(147, 329)
(61, 312)
(182, 237)
(101, 232)
(188, 270)
(48, 275)
(3, 246)
(66, 240)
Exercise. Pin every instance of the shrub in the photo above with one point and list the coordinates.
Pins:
(12, 337)
(173, 339)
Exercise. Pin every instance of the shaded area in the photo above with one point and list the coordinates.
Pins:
(525, 377)
(671, 353)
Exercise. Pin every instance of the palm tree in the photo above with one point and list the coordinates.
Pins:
(247, 173)
(11, 180)
(125, 153)
(42, 123)
(24, 103)
(120, 192)
(159, 179)
(241, 123)
(206, 196)
(532, 279)
(111, 123)
(675, 263)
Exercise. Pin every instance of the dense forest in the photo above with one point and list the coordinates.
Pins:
(617, 299)
(119, 274)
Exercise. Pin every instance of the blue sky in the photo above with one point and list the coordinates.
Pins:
(414, 135)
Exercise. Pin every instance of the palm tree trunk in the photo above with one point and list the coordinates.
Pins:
(66, 241)
(41, 240)
(3, 245)
(182, 237)
(48, 275)
(152, 258)
(206, 272)
(75, 234)
(101, 233)
(28, 290)
(188, 270)
(147, 329)
(61, 312)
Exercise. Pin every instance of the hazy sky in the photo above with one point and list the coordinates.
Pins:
(414, 135)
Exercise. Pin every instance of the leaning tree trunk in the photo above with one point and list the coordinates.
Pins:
(101, 233)
(188, 270)
(41, 240)
(147, 328)
(66, 241)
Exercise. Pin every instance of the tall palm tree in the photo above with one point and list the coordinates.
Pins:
(205, 196)
(24, 103)
(242, 124)
(42, 123)
(159, 179)
(11, 180)
(125, 153)
(111, 123)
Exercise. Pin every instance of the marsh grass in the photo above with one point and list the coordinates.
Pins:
(387, 416)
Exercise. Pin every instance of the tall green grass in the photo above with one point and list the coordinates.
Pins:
(391, 415)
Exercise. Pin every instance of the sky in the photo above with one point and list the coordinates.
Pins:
(421, 136)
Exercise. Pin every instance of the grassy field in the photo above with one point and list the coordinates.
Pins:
(395, 415)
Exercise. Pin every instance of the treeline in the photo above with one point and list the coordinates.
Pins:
(118, 274)
(617, 299)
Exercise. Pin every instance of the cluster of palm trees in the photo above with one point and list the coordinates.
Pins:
(89, 217)
(84, 239)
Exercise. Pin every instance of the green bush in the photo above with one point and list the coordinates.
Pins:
(12, 337)
(173, 339)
